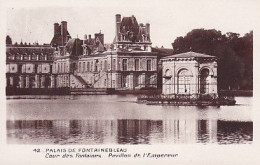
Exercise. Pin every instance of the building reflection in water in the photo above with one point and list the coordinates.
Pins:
(128, 131)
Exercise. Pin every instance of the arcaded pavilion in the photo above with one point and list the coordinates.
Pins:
(189, 73)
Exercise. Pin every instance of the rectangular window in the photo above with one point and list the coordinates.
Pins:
(137, 64)
(91, 67)
(105, 67)
(84, 67)
(96, 65)
(136, 80)
(61, 67)
(124, 64)
(101, 65)
(124, 81)
(36, 68)
(19, 68)
(114, 64)
(147, 80)
(58, 67)
(113, 84)
(79, 67)
(64, 67)
(149, 65)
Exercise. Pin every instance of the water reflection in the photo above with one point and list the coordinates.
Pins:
(128, 131)
(114, 119)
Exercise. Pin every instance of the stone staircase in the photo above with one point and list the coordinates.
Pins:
(78, 82)
(99, 77)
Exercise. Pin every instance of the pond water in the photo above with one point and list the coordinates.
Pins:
(118, 119)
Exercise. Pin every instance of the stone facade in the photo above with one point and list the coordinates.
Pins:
(29, 66)
(189, 73)
(128, 64)
(123, 71)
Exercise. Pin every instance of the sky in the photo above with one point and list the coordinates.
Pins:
(32, 22)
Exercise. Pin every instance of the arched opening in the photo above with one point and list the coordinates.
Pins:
(184, 80)
(204, 84)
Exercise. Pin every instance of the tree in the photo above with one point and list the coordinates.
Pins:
(235, 53)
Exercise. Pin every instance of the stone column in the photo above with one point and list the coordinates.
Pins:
(43, 81)
(27, 83)
(37, 81)
(21, 81)
(52, 81)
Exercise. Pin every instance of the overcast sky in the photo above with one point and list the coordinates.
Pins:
(168, 19)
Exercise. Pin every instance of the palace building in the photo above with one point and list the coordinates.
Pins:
(129, 63)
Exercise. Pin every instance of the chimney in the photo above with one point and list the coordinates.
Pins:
(148, 28)
(56, 28)
(85, 39)
(64, 32)
(118, 22)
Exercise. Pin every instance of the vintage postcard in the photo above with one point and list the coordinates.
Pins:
(130, 82)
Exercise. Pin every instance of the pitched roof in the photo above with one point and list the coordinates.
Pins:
(73, 46)
(29, 50)
(162, 51)
(189, 55)
(36, 53)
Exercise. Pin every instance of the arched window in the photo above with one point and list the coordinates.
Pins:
(184, 77)
(204, 84)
